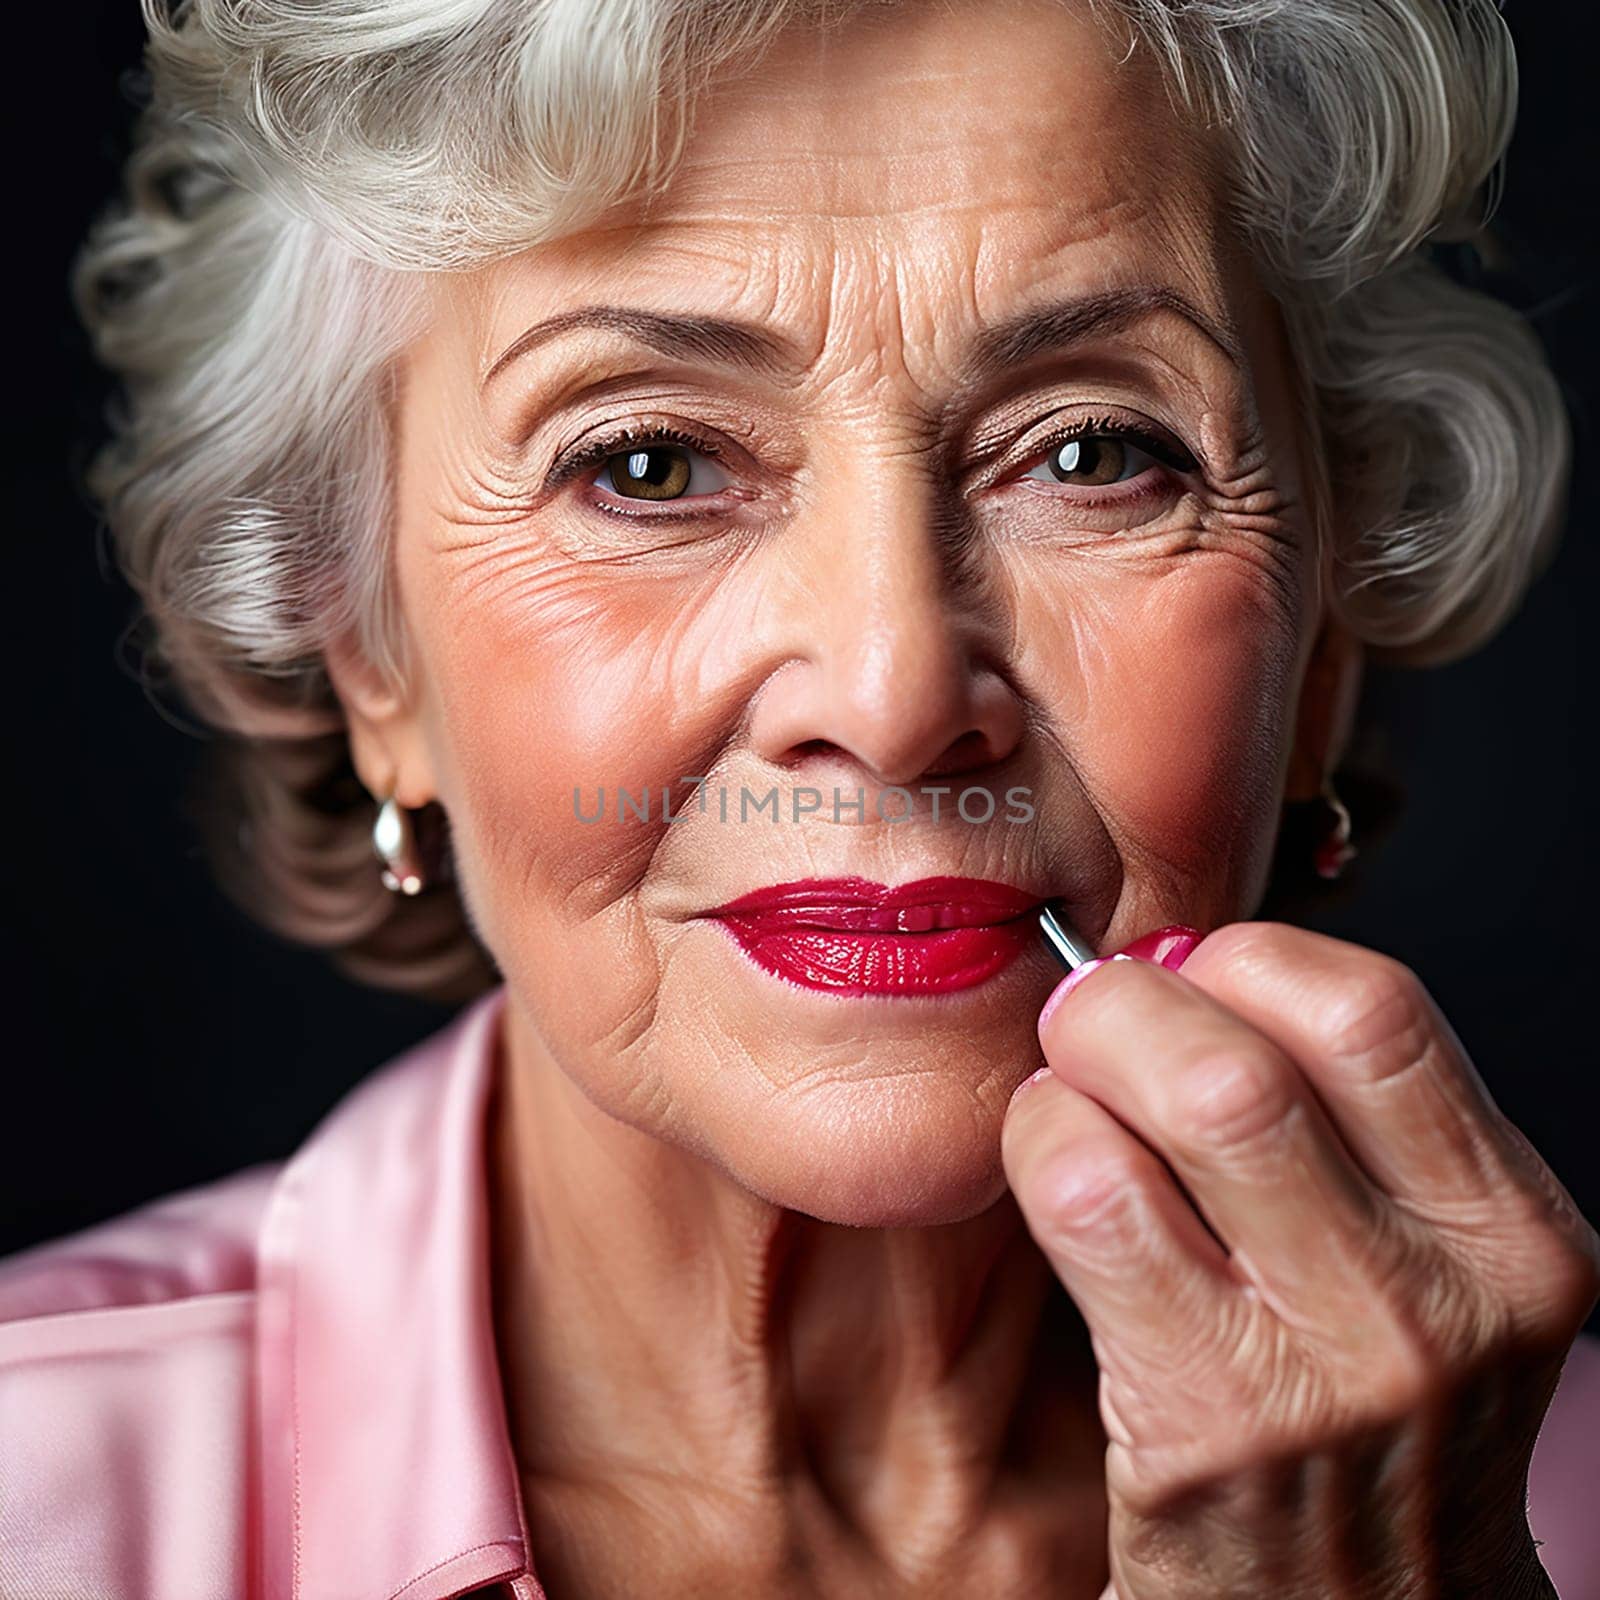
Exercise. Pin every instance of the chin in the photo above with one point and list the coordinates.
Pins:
(879, 1143)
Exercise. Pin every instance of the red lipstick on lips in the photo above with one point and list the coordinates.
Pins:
(850, 936)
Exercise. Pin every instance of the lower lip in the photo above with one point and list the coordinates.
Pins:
(856, 961)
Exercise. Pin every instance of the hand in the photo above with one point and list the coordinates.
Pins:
(1329, 1286)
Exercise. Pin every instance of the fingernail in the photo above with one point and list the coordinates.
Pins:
(1167, 947)
(1071, 982)
(1032, 1078)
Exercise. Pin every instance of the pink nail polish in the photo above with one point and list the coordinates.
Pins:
(1070, 982)
(1032, 1078)
(1165, 947)
(1168, 947)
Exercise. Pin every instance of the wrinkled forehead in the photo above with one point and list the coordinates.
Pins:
(897, 184)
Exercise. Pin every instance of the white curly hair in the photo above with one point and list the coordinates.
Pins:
(297, 171)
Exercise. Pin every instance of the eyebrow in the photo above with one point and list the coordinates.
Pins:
(718, 339)
(1068, 322)
(744, 345)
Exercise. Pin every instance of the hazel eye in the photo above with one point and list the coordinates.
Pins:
(659, 472)
(1091, 460)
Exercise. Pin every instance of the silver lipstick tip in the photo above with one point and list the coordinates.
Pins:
(1069, 947)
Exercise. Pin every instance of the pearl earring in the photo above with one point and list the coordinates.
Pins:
(396, 845)
(1334, 850)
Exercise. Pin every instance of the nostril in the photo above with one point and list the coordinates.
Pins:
(971, 749)
(807, 748)
(961, 755)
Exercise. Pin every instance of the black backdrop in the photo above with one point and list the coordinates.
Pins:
(160, 1040)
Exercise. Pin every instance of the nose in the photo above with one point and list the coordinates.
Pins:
(890, 663)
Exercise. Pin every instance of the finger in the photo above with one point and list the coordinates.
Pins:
(1243, 1130)
(1384, 1061)
(1154, 1286)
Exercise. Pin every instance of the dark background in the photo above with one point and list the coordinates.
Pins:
(160, 1040)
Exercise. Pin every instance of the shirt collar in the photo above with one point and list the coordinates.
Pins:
(385, 1462)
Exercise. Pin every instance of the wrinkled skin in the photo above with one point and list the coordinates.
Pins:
(1333, 1383)
(789, 1297)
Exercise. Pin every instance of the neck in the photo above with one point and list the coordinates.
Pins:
(734, 1380)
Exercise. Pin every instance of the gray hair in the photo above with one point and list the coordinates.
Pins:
(298, 172)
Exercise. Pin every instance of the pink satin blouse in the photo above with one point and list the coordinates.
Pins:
(284, 1385)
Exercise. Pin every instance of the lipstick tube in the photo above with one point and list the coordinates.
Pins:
(1069, 947)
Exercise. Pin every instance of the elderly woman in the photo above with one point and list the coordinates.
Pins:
(743, 504)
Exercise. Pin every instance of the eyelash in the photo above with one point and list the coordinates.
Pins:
(1178, 459)
(600, 450)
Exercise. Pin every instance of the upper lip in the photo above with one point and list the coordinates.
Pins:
(861, 906)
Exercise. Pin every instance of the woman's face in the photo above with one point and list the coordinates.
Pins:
(864, 556)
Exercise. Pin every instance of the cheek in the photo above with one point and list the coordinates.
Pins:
(553, 681)
(1178, 711)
